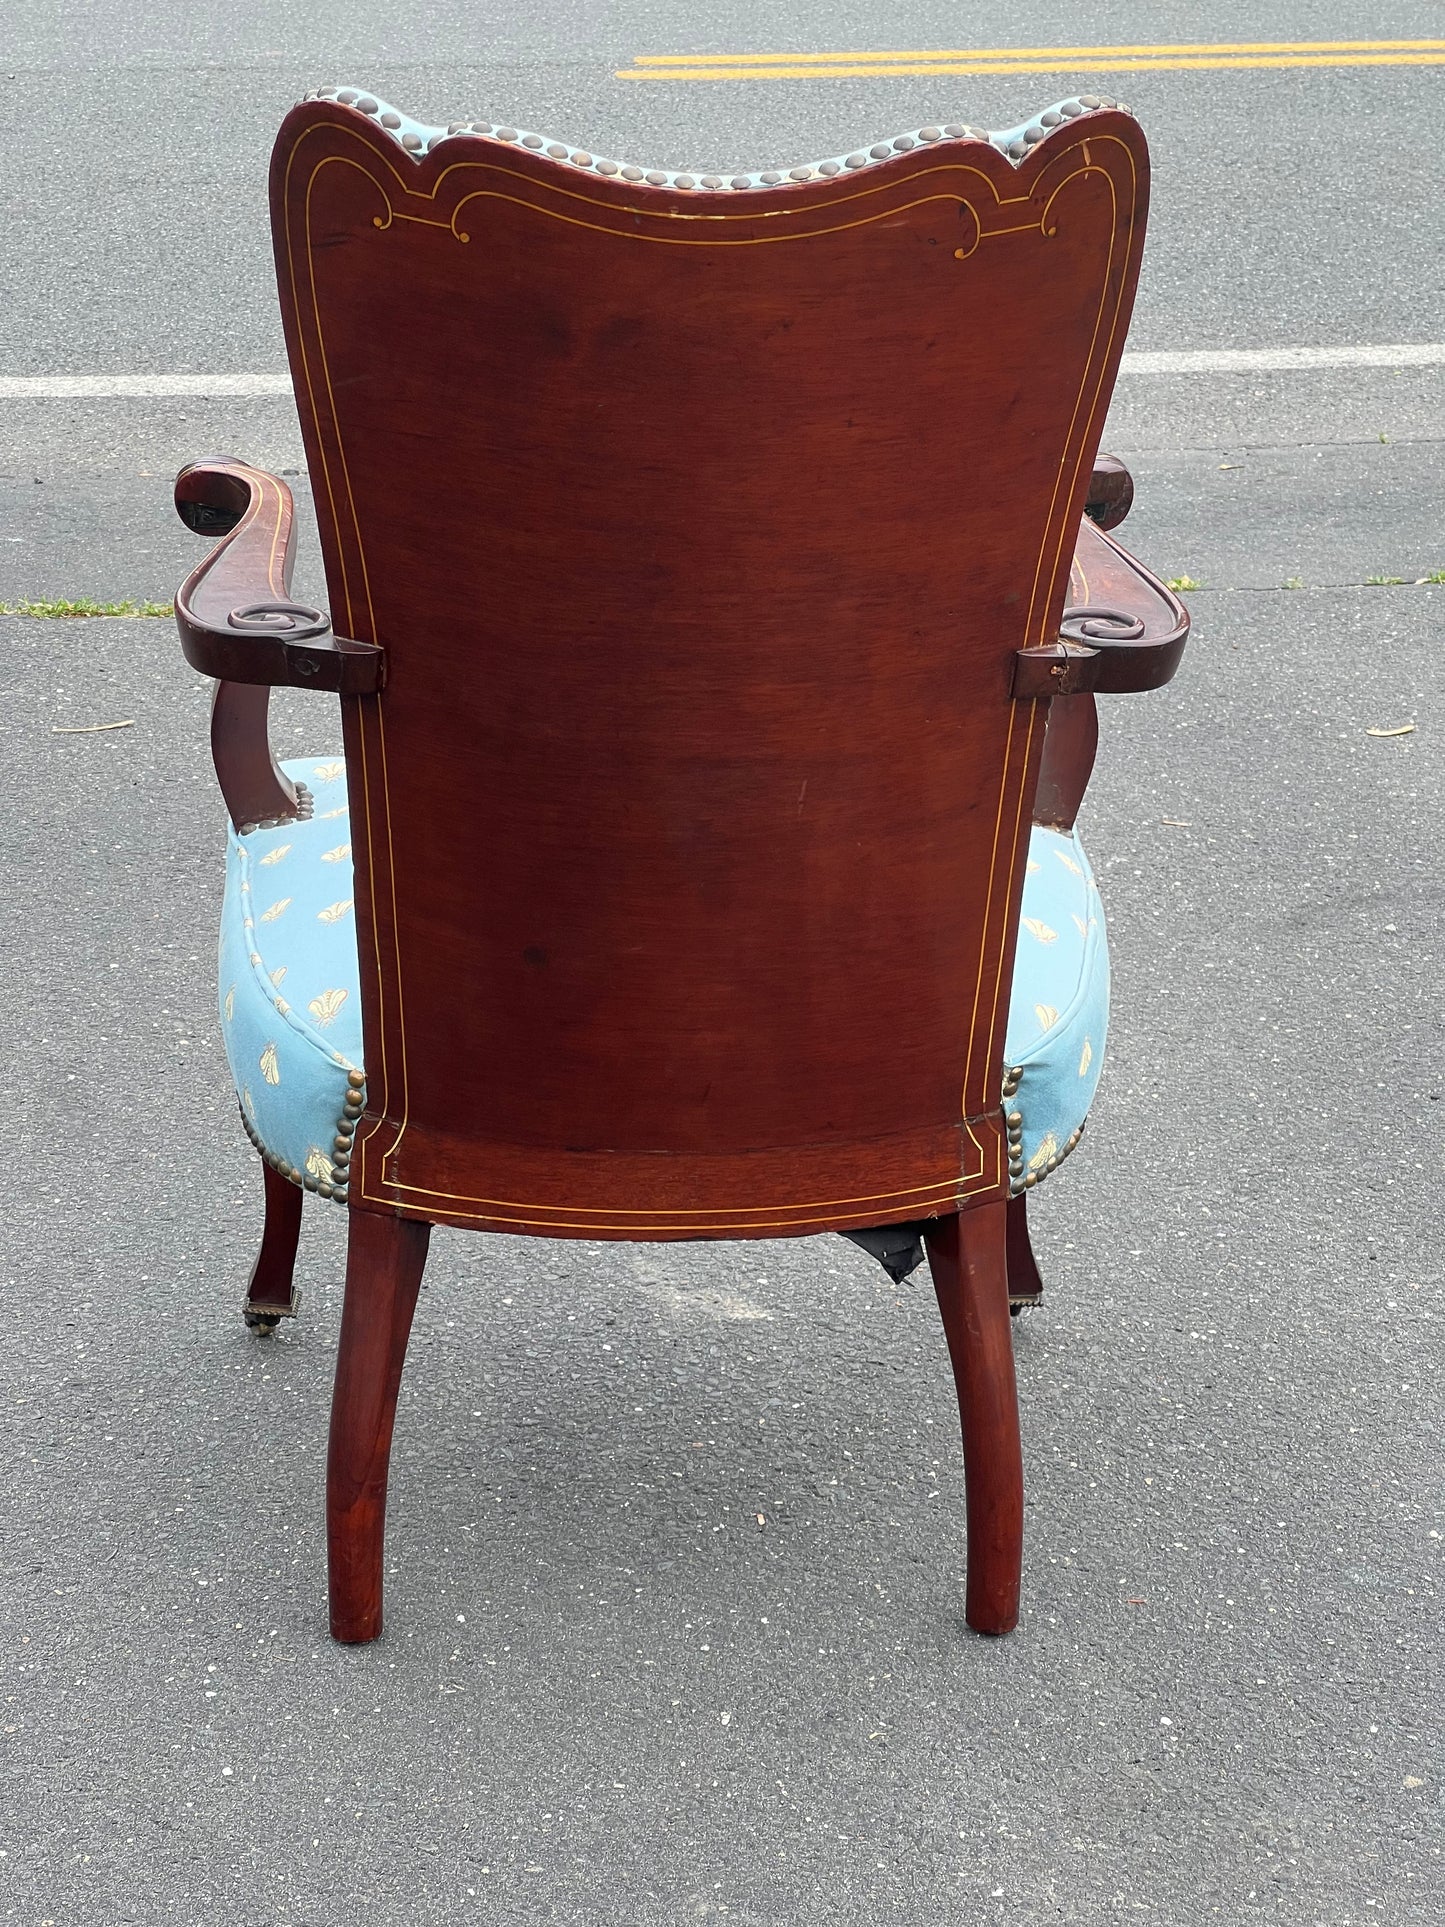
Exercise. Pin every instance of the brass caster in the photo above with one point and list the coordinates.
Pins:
(265, 1318)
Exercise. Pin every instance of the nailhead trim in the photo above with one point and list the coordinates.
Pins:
(1019, 1183)
(1016, 143)
(340, 1163)
(305, 809)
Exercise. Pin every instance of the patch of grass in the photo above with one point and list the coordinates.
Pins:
(1436, 575)
(1383, 581)
(1294, 582)
(1184, 582)
(83, 606)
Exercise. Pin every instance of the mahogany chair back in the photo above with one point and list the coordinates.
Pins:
(699, 529)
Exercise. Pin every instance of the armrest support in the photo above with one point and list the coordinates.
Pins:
(237, 623)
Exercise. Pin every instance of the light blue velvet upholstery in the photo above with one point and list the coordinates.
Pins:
(1058, 1009)
(290, 1012)
(291, 1017)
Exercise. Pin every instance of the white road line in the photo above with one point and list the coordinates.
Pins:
(1249, 361)
(137, 387)
(1204, 361)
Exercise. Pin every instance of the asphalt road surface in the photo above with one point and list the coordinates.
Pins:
(607, 1694)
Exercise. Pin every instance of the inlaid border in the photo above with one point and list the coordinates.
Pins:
(422, 183)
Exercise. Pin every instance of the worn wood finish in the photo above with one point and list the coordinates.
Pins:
(968, 1256)
(384, 1262)
(1025, 1285)
(253, 785)
(697, 667)
(1111, 492)
(270, 1290)
(1070, 745)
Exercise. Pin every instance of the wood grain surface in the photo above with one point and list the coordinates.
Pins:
(699, 532)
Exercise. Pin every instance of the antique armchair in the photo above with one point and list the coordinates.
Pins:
(720, 582)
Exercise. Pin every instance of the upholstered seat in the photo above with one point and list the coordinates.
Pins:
(291, 1012)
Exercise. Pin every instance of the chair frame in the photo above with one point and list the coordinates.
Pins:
(1123, 630)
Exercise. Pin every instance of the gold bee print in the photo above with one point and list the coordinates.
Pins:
(282, 1007)
(256, 959)
(328, 816)
(334, 912)
(270, 1068)
(328, 772)
(338, 855)
(1041, 930)
(1086, 1057)
(275, 856)
(248, 1100)
(1079, 924)
(319, 1165)
(230, 1004)
(277, 909)
(1046, 1015)
(1049, 1148)
(278, 973)
(1033, 866)
(1068, 862)
(325, 1007)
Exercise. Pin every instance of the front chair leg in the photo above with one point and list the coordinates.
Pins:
(384, 1262)
(271, 1296)
(968, 1256)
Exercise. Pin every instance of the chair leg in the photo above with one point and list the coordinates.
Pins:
(1025, 1286)
(968, 1256)
(271, 1296)
(384, 1262)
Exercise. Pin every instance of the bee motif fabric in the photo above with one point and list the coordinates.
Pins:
(1059, 1009)
(289, 918)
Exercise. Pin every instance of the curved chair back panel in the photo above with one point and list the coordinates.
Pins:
(699, 528)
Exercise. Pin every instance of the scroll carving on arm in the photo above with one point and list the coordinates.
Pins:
(1126, 633)
(238, 624)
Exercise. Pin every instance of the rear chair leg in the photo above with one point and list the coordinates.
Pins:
(271, 1296)
(968, 1255)
(384, 1262)
(1025, 1286)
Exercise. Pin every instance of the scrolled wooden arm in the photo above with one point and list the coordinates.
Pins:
(237, 623)
(234, 612)
(1125, 631)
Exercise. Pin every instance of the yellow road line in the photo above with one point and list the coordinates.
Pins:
(1052, 53)
(1037, 60)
